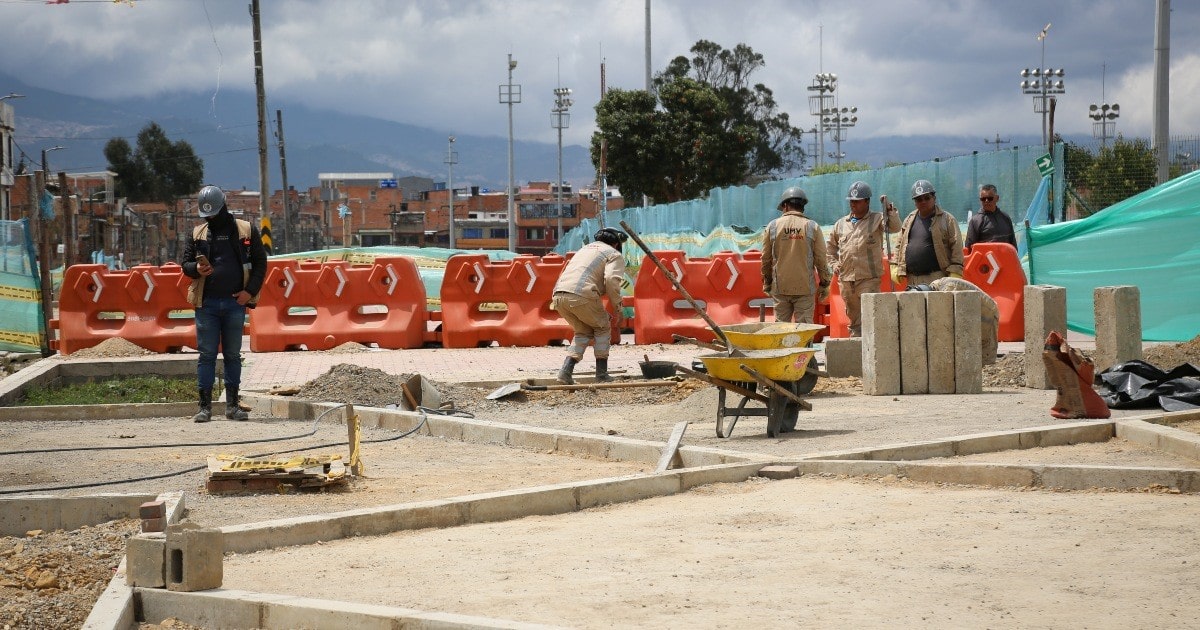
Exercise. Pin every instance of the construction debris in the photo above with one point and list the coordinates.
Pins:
(233, 473)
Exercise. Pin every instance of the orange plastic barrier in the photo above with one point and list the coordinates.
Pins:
(728, 286)
(322, 305)
(506, 302)
(996, 269)
(135, 304)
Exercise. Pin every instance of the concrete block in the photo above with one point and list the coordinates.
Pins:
(843, 357)
(145, 560)
(881, 344)
(153, 509)
(542, 440)
(973, 474)
(620, 490)
(914, 353)
(779, 472)
(194, 557)
(154, 525)
(484, 432)
(1118, 326)
(968, 353)
(1045, 311)
(940, 333)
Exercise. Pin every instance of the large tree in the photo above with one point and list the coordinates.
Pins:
(157, 169)
(1116, 172)
(705, 126)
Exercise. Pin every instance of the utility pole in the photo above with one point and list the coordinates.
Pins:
(996, 142)
(69, 228)
(38, 183)
(509, 94)
(1162, 86)
(603, 157)
(283, 173)
(451, 160)
(261, 98)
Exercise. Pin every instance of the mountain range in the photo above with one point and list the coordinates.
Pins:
(223, 132)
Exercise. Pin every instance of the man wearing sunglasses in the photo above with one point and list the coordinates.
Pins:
(930, 242)
(990, 224)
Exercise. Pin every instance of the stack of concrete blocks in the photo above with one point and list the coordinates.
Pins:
(153, 515)
(187, 557)
(843, 357)
(1118, 326)
(1045, 311)
(919, 342)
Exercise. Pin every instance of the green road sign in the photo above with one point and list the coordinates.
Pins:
(1045, 165)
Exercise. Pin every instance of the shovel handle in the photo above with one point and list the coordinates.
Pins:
(678, 287)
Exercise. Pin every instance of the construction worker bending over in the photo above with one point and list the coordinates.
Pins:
(856, 250)
(931, 245)
(597, 269)
(793, 253)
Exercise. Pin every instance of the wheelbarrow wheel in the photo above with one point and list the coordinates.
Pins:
(808, 381)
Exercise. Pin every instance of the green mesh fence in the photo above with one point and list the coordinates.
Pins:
(1148, 240)
(20, 290)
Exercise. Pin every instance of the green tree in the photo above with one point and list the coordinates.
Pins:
(704, 127)
(1116, 172)
(844, 167)
(157, 169)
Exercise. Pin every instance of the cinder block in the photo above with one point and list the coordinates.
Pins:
(194, 557)
(914, 354)
(145, 560)
(843, 357)
(881, 344)
(939, 314)
(968, 356)
(1045, 311)
(153, 509)
(1118, 326)
(779, 472)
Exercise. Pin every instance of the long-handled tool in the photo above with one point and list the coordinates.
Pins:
(887, 239)
(679, 287)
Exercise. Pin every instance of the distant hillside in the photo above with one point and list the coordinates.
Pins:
(224, 134)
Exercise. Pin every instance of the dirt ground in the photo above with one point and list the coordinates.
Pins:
(809, 551)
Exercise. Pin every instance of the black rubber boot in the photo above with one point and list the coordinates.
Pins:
(232, 411)
(205, 413)
(602, 371)
(568, 368)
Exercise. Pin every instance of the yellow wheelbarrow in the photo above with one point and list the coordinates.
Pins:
(777, 371)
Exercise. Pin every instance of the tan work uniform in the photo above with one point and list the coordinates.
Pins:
(595, 270)
(947, 246)
(856, 253)
(793, 252)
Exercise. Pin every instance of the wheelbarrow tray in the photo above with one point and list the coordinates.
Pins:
(780, 364)
(771, 335)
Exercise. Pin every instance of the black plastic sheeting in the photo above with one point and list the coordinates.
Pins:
(1137, 385)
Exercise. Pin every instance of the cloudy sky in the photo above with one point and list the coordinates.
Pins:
(910, 66)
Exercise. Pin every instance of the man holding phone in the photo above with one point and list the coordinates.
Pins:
(226, 260)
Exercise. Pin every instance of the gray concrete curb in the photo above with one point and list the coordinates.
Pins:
(222, 608)
(21, 513)
(1158, 433)
(477, 508)
(1011, 475)
(96, 412)
(1052, 435)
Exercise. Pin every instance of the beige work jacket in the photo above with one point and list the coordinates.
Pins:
(596, 269)
(856, 247)
(793, 251)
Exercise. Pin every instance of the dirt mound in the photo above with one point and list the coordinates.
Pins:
(357, 385)
(1169, 356)
(111, 348)
(350, 347)
(1007, 371)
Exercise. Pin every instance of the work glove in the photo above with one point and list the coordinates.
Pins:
(895, 274)
(956, 275)
(823, 294)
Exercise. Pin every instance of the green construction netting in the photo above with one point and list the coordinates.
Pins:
(1149, 241)
(20, 290)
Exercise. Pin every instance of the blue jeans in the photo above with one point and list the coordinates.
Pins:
(219, 323)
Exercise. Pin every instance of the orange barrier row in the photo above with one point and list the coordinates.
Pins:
(134, 304)
(507, 302)
(322, 305)
(728, 286)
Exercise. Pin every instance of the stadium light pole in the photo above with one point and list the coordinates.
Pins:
(1045, 81)
(561, 120)
(510, 93)
(823, 84)
(838, 119)
(1104, 116)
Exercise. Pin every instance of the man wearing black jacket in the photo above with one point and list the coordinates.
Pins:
(990, 224)
(226, 260)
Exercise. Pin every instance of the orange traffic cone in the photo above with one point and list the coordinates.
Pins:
(1072, 375)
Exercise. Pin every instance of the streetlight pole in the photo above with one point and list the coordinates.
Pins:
(451, 160)
(509, 94)
(1046, 81)
(561, 120)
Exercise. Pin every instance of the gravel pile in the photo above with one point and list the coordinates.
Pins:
(354, 384)
(1168, 356)
(110, 348)
(52, 580)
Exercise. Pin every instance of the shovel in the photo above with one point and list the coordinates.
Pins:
(682, 291)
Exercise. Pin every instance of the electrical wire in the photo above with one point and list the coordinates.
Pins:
(424, 411)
